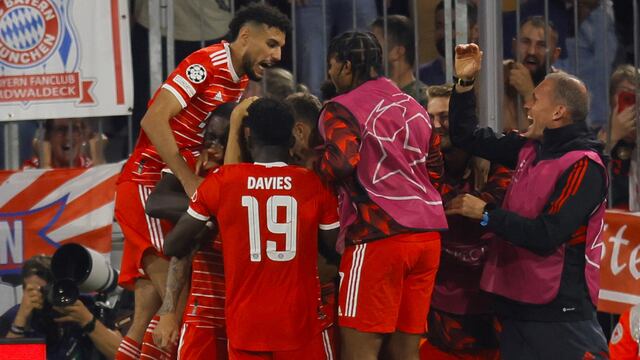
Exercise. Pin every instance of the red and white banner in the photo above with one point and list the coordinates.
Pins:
(620, 266)
(64, 58)
(43, 209)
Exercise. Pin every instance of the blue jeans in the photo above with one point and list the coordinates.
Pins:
(311, 49)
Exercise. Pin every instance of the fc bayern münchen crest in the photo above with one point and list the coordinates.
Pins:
(196, 73)
(31, 32)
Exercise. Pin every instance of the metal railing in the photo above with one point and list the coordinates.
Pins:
(161, 12)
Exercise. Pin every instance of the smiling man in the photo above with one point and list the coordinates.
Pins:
(61, 146)
(544, 249)
(174, 123)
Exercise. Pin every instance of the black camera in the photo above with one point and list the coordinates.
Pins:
(62, 292)
(78, 269)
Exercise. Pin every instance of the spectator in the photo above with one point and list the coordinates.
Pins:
(595, 42)
(381, 214)
(70, 332)
(61, 147)
(401, 55)
(461, 323)
(558, 14)
(544, 248)
(337, 17)
(528, 69)
(433, 72)
(622, 144)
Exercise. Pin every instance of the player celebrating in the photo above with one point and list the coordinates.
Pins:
(173, 123)
(204, 315)
(378, 149)
(269, 222)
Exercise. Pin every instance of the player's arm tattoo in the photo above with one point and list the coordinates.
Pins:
(177, 277)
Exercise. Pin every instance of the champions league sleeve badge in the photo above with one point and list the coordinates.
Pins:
(40, 54)
(196, 73)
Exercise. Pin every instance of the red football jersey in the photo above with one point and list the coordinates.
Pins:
(206, 297)
(202, 81)
(207, 294)
(269, 216)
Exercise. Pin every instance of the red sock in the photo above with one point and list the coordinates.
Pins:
(128, 350)
(149, 349)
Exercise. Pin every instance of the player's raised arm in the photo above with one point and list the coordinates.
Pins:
(233, 152)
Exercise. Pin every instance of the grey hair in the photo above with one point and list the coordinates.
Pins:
(570, 92)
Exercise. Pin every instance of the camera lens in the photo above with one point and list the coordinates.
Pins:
(63, 293)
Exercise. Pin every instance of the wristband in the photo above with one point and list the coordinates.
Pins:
(484, 221)
(18, 330)
(462, 82)
(485, 218)
(91, 325)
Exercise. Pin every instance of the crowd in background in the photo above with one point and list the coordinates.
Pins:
(600, 55)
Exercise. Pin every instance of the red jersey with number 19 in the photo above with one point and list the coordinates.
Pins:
(269, 216)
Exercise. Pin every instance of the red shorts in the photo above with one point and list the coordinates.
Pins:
(141, 232)
(386, 285)
(202, 340)
(318, 348)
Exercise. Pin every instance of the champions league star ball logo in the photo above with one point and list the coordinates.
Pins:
(30, 32)
(196, 73)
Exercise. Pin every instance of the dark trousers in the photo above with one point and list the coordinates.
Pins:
(575, 340)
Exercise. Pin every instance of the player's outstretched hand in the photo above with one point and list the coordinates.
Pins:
(468, 61)
(240, 111)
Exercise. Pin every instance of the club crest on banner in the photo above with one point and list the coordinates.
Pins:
(38, 38)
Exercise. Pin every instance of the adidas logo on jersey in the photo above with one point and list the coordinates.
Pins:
(218, 96)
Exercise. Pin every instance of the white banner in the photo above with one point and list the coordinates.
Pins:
(64, 58)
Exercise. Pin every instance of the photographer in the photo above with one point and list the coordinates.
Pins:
(70, 332)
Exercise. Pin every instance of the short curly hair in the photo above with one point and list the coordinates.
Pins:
(270, 121)
(261, 14)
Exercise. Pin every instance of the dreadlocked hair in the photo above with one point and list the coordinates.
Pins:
(361, 49)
